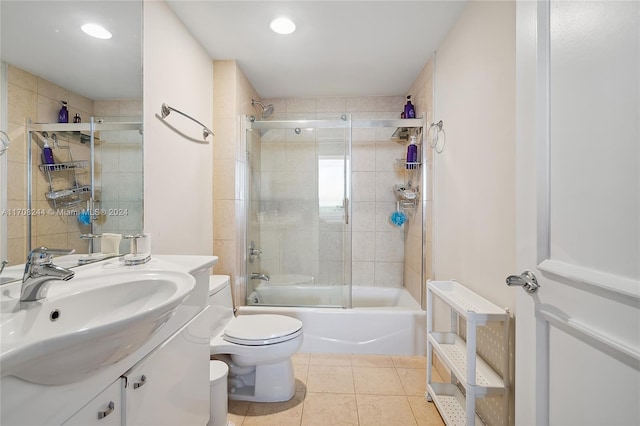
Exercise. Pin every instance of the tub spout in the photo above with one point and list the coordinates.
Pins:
(263, 277)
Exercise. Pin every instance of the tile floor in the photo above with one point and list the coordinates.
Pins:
(336, 389)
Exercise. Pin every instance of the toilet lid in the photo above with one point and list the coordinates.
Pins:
(257, 330)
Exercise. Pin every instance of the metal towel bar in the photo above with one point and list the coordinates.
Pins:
(4, 141)
(166, 109)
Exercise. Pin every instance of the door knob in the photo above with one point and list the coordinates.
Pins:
(526, 279)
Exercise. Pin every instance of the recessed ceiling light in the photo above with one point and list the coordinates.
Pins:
(283, 25)
(97, 31)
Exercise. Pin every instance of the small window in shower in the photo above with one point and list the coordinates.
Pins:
(331, 188)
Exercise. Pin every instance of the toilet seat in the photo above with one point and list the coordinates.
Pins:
(260, 330)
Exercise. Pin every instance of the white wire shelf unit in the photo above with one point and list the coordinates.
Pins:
(471, 376)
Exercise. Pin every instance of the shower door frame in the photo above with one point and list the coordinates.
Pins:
(250, 123)
(344, 122)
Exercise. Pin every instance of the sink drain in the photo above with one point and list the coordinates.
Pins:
(55, 315)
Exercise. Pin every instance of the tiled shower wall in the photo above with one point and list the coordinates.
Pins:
(31, 97)
(118, 165)
(119, 170)
(378, 249)
(422, 94)
(232, 94)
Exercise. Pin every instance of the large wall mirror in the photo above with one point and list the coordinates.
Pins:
(94, 186)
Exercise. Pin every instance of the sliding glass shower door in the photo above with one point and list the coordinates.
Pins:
(298, 227)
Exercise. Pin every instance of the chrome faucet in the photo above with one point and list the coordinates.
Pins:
(39, 270)
(4, 263)
(263, 277)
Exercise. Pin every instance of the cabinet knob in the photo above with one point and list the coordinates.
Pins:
(143, 380)
(109, 410)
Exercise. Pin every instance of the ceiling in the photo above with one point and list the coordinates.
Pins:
(340, 48)
(44, 38)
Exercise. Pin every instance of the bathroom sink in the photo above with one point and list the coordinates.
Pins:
(85, 324)
(8, 279)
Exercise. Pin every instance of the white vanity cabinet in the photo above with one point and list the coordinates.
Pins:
(174, 363)
(167, 387)
(104, 409)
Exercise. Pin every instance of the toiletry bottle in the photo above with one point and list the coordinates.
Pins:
(412, 153)
(47, 153)
(77, 119)
(409, 110)
(63, 115)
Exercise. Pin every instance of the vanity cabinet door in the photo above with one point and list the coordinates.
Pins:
(103, 410)
(171, 385)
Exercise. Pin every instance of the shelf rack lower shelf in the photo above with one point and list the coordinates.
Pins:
(452, 350)
(451, 403)
(58, 167)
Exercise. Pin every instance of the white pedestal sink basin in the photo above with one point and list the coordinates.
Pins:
(84, 324)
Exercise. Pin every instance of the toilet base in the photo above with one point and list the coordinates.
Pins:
(267, 383)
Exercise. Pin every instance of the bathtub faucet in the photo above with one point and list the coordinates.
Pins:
(263, 277)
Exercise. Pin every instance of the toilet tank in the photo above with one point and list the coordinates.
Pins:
(220, 302)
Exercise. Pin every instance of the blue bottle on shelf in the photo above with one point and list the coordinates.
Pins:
(63, 115)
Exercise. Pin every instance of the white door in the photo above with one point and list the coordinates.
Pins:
(578, 196)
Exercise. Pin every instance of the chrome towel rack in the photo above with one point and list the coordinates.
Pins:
(435, 138)
(4, 141)
(166, 109)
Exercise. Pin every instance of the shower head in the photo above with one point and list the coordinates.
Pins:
(267, 110)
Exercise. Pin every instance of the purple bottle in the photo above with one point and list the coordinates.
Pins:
(412, 154)
(409, 110)
(63, 115)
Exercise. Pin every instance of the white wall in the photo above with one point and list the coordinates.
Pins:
(474, 206)
(474, 183)
(177, 171)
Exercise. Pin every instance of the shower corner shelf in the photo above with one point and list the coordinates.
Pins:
(58, 167)
(460, 356)
(409, 165)
(401, 134)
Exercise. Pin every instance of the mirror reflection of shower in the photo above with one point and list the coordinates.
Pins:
(267, 110)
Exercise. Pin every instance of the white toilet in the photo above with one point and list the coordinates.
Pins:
(257, 348)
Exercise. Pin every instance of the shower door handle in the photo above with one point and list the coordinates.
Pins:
(345, 206)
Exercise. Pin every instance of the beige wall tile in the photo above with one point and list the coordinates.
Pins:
(22, 78)
(18, 148)
(80, 104)
(21, 104)
(130, 107)
(224, 227)
(52, 91)
(48, 110)
(106, 108)
(17, 180)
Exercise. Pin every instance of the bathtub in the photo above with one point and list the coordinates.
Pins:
(384, 321)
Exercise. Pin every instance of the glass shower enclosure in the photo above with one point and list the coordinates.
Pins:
(298, 212)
